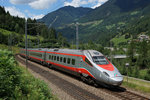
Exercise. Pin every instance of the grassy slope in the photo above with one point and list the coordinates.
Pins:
(137, 85)
(7, 33)
(15, 49)
(119, 39)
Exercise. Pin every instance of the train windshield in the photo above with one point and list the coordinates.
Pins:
(100, 60)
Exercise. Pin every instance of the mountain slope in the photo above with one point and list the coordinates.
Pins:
(112, 18)
(114, 7)
(66, 15)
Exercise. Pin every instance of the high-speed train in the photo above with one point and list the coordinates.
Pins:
(92, 66)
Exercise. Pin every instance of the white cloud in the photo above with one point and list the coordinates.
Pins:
(42, 4)
(36, 4)
(77, 3)
(21, 1)
(15, 12)
(33, 16)
(99, 3)
(37, 16)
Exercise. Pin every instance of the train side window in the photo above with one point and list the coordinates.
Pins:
(68, 60)
(57, 58)
(73, 61)
(87, 61)
(64, 60)
(50, 56)
(60, 59)
(54, 57)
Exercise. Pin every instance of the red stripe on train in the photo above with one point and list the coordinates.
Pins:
(79, 70)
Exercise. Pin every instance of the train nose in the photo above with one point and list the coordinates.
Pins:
(116, 81)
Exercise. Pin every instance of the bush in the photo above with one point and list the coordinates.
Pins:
(16, 83)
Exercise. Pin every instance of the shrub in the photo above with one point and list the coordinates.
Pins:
(16, 83)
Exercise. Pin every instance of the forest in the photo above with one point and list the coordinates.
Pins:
(13, 29)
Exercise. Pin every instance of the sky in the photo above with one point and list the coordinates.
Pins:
(36, 9)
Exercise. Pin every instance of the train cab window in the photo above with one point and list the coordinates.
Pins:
(60, 59)
(50, 56)
(87, 61)
(57, 58)
(73, 61)
(100, 60)
(68, 60)
(64, 60)
(54, 57)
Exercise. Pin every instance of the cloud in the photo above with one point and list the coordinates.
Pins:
(15, 12)
(42, 4)
(36, 4)
(78, 3)
(99, 3)
(33, 16)
(37, 16)
(22, 1)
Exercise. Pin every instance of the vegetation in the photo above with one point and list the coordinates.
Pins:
(137, 85)
(121, 40)
(114, 18)
(138, 58)
(16, 83)
(12, 31)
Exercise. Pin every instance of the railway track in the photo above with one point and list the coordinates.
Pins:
(71, 89)
(78, 92)
(124, 94)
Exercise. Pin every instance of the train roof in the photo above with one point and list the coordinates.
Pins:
(69, 51)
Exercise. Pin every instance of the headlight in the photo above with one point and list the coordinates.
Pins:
(106, 74)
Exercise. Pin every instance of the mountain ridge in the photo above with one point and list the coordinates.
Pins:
(66, 15)
(108, 20)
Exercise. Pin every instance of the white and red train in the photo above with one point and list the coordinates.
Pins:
(92, 66)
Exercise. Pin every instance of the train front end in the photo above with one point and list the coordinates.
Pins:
(103, 70)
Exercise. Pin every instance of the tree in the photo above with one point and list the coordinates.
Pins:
(52, 34)
(143, 55)
(130, 53)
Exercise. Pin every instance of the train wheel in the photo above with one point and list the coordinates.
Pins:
(90, 80)
(49, 65)
(83, 78)
(96, 84)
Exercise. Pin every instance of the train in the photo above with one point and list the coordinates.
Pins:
(90, 65)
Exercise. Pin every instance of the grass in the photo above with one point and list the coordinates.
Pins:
(119, 39)
(15, 49)
(134, 13)
(108, 27)
(137, 85)
(7, 33)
